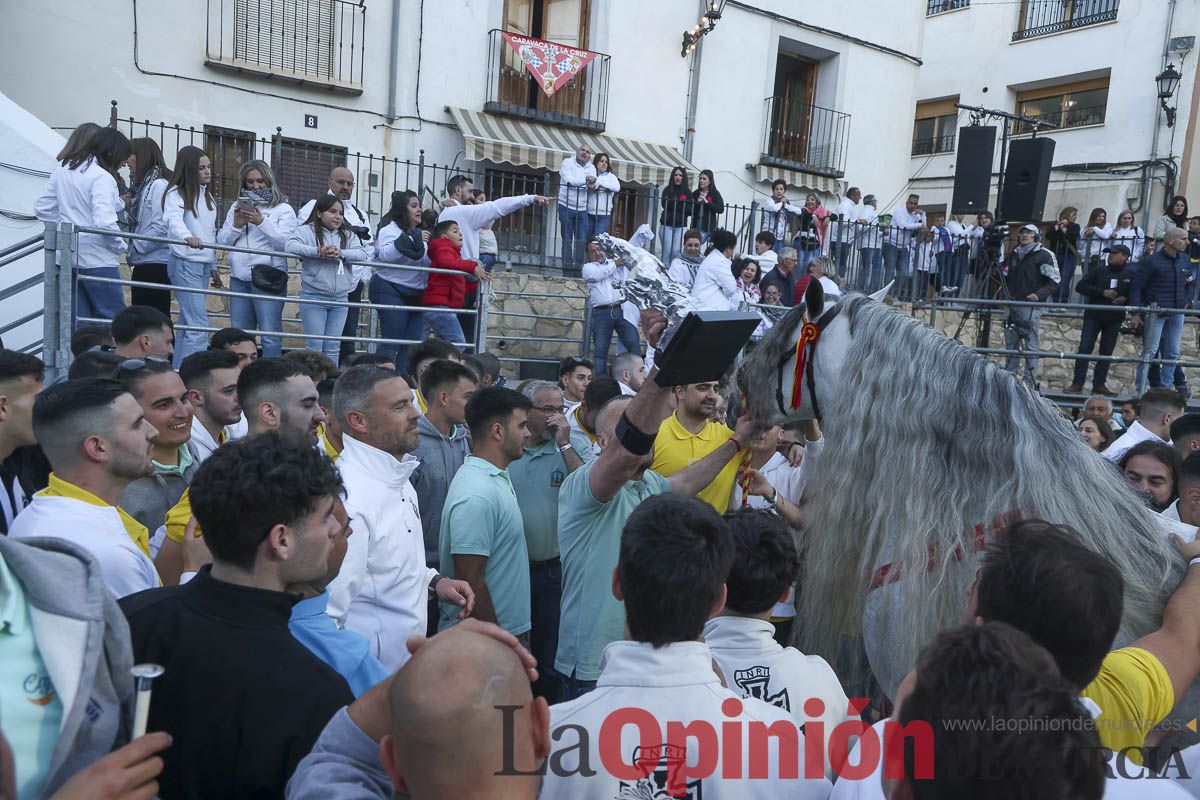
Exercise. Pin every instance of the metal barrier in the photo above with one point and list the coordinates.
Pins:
(61, 278)
(9, 255)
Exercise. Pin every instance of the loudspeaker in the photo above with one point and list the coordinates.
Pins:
(1026, 179)
(973, 169)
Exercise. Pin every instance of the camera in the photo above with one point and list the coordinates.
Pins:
(995, 235)
(361, 231)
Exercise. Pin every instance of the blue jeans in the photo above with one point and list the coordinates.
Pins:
(804, 258)
(1066, 272)
(896, 267)
(598, 224)
(672, 242)
(98, 300)
(261, 312)
(545, 598)
(573, 688)
(840, 253)
(574, 235)
(488, 260)
(445, 325)
(322, 320)
(192, 309)
(872, 268)
(604, 322)
(1154, 378)
(397, 324)
(1162, 336)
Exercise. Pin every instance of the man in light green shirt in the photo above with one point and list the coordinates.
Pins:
(553, 452)
(482, 536)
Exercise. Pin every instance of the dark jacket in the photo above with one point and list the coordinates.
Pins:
(1162, 279)
(785, 283)
(677, 207)
(1025, 275)
(705, 213)
(1096, 282)
(446, 290)
(24, 473)
(1063, 242)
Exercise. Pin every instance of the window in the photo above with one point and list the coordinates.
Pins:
(1067, 106)
(935, 127)
(520, 231)
(227, 149)
(1041, 17)
(561, 21)
(938, 6)
(302, 168)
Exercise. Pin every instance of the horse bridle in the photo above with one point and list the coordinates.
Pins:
(821, 324)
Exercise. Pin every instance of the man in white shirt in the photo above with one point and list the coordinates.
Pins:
(870, 244)
(473, 218)
(211, 379)
(20, 383)
(742, 641)
(844, 228)
(1159, 407)
(1183, 516)
(1185, 435)
(907, 220)
(98, 442)
(384, 585)
(605, 301)
(140, 331)
(630, 371)
(574, 374)
(358, 224)
(675, 553)
(575, 177)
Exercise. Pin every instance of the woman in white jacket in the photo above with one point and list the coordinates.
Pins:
(716, 287)
(260, 220)
(191, 215)
(1130, 235)
(83, 190)
(149, 178)
(600, 196)
(323, 247)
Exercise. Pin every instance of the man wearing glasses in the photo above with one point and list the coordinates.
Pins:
(552, 452)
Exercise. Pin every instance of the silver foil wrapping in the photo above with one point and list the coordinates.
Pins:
(647, 284)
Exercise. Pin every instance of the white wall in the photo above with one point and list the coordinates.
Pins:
(970, 53)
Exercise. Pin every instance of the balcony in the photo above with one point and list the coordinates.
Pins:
(805, 137)
(940, 6)
(307, 42)
(931, 145)
(580, 102)
(1040, 18)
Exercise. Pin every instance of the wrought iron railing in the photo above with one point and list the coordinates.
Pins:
(1067, 118)
(578, 102)
(938, 6)
(306, 41)
(1041, 17)
(805, 137)
(933, 144)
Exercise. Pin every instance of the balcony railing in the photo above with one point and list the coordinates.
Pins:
(1070, 118)
(581, 102)
(805, 137)
(305, 41)
(938, 6)
(1041, 17)
(933, 144)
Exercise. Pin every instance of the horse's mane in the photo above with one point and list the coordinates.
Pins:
(927, 440)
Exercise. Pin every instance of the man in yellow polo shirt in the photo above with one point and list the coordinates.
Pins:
(98, 441)
(689, 435)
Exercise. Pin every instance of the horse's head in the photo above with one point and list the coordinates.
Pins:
(792, 373)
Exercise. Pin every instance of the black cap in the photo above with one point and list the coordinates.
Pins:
(1118, 248)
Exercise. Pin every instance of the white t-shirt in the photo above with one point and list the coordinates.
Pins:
(1134, 435)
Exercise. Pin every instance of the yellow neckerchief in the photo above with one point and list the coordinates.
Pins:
(575, 413)
(326, 444)
(421, 401)
(222, 437)
(136, 530)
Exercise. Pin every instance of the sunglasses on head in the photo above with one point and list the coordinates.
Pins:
(134, 364)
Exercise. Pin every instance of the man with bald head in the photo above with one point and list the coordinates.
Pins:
(357, 223)
(1165, 278)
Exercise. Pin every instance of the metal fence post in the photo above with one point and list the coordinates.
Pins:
(586, 336)
(68, 243)
(1157, 356)
(486, 295)
(50, 304)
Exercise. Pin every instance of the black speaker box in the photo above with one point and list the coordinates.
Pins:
(973, 169)
(1026, 178)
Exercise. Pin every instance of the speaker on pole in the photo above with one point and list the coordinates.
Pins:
(1026, 179)
(973, 169)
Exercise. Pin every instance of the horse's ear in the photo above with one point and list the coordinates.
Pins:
(882, 293)
(814, 299)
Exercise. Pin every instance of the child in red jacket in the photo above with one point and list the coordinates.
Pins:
(448, 291)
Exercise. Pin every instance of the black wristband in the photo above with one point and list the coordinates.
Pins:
(635, 441)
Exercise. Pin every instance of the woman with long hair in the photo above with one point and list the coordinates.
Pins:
(83, 190)
(77, 142)
(1129, 234)
(601, 195)
(1094, 238)
(149, 178)
(324, 247)
(1062, 238)
(811, 232)
(1097, 433)
(261, 219)
(191, 215)
(707, 204)
(404, 243)
(676, 208)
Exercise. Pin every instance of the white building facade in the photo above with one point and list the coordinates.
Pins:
(409, 92)
(1087, 66)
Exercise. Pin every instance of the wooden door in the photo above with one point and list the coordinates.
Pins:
(795, 85)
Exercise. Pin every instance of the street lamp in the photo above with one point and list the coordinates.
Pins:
(1168, 82)
(708, 21)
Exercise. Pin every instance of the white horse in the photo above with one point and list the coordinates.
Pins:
(930, 448)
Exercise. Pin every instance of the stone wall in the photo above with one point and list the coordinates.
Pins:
(549, 308)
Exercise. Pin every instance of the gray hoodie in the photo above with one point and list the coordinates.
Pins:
(149, 499)
(440, 458)
(83, 639)
(325, 275)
